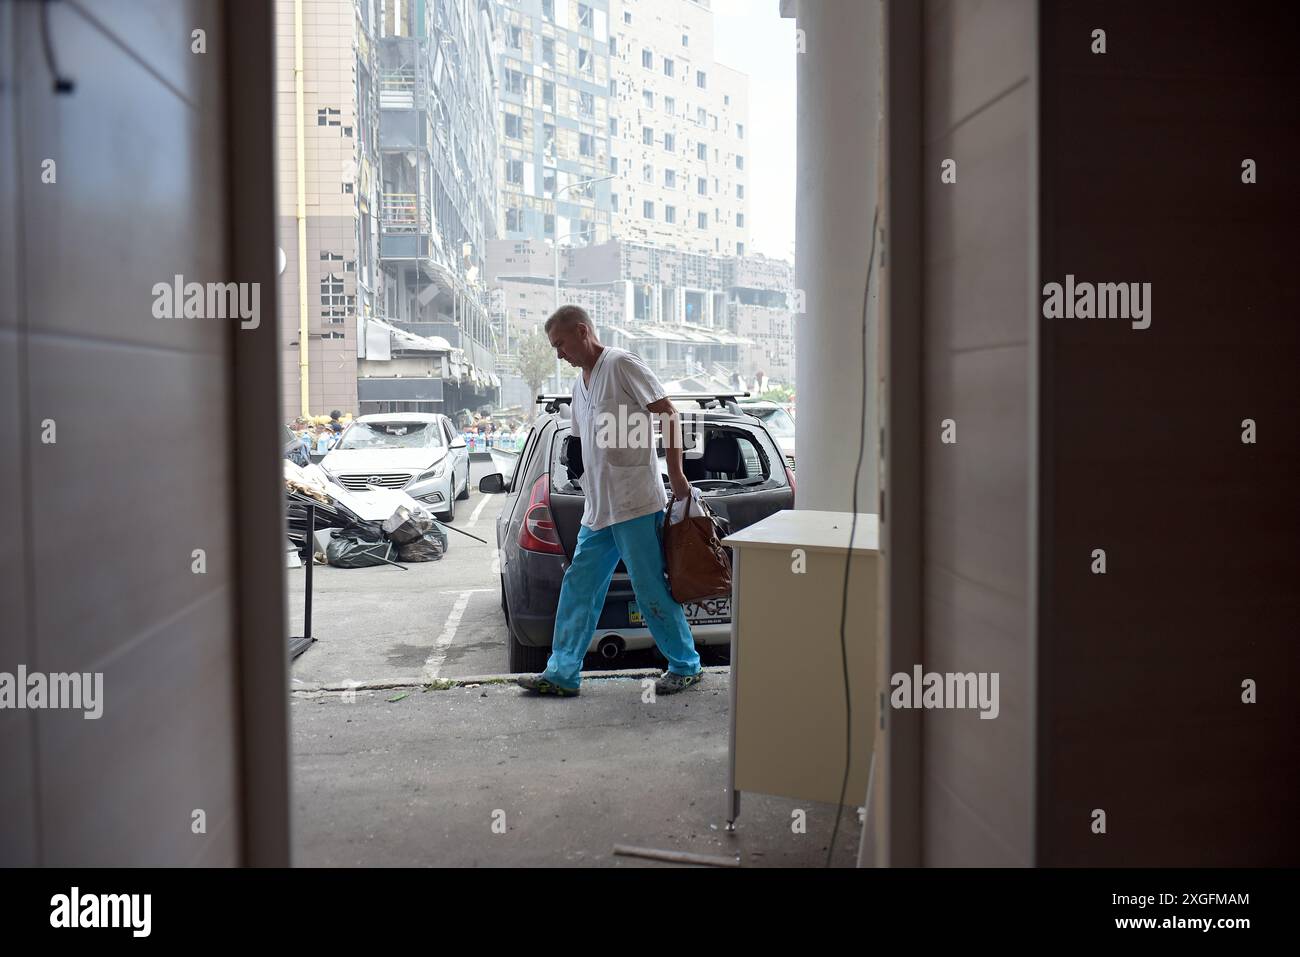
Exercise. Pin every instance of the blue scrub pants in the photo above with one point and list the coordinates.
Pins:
(586, 581)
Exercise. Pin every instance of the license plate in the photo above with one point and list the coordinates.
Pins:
(710, 611)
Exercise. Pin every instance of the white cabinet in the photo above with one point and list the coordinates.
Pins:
(788, 715)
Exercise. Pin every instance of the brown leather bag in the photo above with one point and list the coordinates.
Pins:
(697, 563)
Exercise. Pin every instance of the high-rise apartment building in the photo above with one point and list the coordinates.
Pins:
(554, 122)
(678, 130)
(387, 208)
(328, 196)
(438, 153)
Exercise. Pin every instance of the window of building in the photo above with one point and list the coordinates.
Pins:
(648, 173)
(627, 16)
(514, 126)
(584, 16)
(613, 164)
(670, 143)
(548, 138)
(701, 80)
(740, 191)
(648, 98)
(548, 94)
(702, 220)
(613, 47)
(647, 59)
(513, 219)
(702, 151)
(740, 161)
(613, 87)
(586, 144)
(332, 335)
(548, 51)
(740, 249)
(586, 103)
(548, 10)
(514, 82)
(668, 67)
(647, 209)
(740, 131)
(740, 220)
(586, 62)
(670, 178)
(548, 224)
(515, 172)
(701, 116)
(333, 298)
(613, 126)
(670, 214)
(514, 38)
(548, 180)
(702, 186)
(613, 202)
(726, 99)
(686, 41)
(670, 106)
(648, 135)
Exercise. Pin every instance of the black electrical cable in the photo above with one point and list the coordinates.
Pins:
(848, 558)
(61, 83)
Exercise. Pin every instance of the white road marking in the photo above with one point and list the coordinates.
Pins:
(474, 517)
(433, 665)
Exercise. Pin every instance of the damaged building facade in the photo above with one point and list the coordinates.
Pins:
(677, 130)
(438, 148)
(387, 146)
(327, 142)
(691, 316)
(555, 120)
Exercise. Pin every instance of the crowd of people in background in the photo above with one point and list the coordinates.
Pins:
(485, 432)
(318, 437)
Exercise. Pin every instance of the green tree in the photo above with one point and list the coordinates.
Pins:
(780, 393)
(536, 364)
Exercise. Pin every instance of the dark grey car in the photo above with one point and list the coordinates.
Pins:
(732, 460)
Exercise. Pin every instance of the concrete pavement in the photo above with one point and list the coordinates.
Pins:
(421, 781)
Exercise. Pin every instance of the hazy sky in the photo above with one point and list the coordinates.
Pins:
(750, 36)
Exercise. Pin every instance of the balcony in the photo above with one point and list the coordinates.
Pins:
(404, 213)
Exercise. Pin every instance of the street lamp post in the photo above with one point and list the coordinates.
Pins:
(555, 271)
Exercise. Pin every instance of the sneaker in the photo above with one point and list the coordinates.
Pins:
(540, 684)
(670, 683)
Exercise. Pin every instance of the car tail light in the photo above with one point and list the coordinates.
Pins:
(537, 533)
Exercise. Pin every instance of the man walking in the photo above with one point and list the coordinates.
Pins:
(614, 402)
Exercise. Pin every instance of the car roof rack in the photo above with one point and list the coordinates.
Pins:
(706, 400)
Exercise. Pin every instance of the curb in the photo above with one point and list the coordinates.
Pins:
(446, 684)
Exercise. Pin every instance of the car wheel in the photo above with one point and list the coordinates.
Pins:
(449, 515)
(523, 659)
(464, 493)
(716, 654)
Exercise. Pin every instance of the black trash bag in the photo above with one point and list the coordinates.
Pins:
(348, 551)
(363, 530)
(406, 525)
(429, 547)
(439, 533)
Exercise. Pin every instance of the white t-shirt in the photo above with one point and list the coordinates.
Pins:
(621, 478)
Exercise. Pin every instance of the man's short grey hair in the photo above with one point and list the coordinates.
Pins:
(569, 315)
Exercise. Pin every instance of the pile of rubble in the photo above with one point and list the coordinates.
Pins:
(331, 525)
